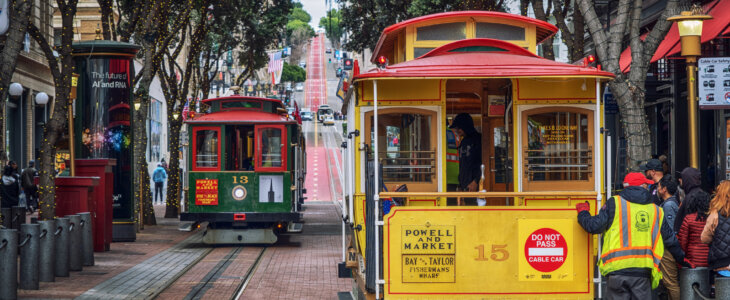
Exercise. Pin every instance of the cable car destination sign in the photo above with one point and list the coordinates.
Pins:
(437, 252)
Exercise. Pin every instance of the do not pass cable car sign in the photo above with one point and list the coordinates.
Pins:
(545, 250)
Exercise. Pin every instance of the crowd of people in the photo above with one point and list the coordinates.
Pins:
(657, 225)
(19, 188)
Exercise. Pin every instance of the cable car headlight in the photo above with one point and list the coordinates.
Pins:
(239, 192)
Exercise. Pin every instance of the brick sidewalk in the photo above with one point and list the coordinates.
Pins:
(123, 256)
(305, 267)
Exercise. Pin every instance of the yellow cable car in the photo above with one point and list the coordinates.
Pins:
(540, 123)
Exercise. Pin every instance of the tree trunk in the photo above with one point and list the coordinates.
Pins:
(19, 17)
(148, 215)
(633, 122)
(174, 181)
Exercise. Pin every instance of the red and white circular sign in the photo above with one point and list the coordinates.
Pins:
(546, 250)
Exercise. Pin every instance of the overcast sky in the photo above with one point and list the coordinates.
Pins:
(317, 9)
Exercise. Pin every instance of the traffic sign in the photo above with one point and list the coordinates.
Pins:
(546, 250)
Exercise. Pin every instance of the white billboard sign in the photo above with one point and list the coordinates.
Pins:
(714, 82)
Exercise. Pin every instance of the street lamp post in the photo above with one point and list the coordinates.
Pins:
(690, 32)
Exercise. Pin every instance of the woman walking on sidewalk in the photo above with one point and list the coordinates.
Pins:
(159, 176)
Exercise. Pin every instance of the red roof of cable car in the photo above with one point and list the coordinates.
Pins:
(240, 115)
(238, 97)
(513, 62)
(543, 30)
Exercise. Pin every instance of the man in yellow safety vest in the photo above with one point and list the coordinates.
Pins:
(634, 237)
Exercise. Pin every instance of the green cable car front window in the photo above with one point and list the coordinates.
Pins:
(271, 146)
(206, 149)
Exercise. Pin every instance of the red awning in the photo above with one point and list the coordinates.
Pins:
(711, 28)
(490, 59)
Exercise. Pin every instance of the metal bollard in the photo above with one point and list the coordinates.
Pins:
(46, 261)
(18, 213)
(29, 254)
(693, 281)
(6, 216)
(74, 243)
(87, 239)
(8, 264)
(61, 266)
(722, 287)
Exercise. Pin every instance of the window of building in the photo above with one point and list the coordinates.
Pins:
(271, 155)
(207, 148)
(500, 31)
(441, 32)
(155, 130)
(558, 147)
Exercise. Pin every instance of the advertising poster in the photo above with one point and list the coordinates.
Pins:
(271, 189)
(713, 81)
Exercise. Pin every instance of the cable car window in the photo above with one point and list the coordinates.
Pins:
(500, 32)
(406, 151)
(239, 148)
(418, 51)
(237, 104)
(441, 32)
(207, 147)
(270, 148)
(558, 147)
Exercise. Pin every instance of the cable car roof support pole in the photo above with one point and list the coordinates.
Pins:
(597, 163)
(376, 194)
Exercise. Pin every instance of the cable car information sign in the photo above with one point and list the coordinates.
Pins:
(443, 252)
(713, 82)
(206, 192)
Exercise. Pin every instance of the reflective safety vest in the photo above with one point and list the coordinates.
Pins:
(634, 239)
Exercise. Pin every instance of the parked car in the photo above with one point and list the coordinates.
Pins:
(307, 116)
(328, 51)
(302, 64)
(300, 87)
(328, 120)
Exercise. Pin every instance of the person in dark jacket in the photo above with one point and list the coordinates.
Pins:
(654, 170)
(690, 182)
(10, 188)
(470, 152)
(28, 183)
(667, 190)
(635, 283)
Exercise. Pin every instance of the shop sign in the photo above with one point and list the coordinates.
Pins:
(206, 192)
(713, 82)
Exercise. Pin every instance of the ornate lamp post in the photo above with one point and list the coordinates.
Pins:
(690, 32)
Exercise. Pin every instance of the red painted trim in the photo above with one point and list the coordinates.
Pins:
(195, 148)
(588, 265)
(259, 144)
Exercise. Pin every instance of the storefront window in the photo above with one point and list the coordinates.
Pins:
(206, 148)
(558, 147)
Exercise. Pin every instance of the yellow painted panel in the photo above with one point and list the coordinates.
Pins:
(428, 90)
(551, 89)
(490, 253)
(359, 212)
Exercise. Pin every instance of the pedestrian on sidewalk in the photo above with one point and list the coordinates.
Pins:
(691, 227)
(654, 170)
(628, 260)
(159, 176)
(667, 190)
(10, 188)
(717, 230)
(29, 187)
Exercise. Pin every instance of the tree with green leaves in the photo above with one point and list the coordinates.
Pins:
(332, 26)
(293, 73)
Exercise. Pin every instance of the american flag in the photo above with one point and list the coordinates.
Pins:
(186, 109)
(275, 62)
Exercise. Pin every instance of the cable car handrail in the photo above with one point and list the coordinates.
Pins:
(489, 194)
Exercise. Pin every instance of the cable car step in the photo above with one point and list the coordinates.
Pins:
(295, 227)
(187, 226)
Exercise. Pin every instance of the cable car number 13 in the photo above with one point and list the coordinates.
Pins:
(241, 179)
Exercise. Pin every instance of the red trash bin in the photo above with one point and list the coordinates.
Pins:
(103, 193)
(75, 195)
